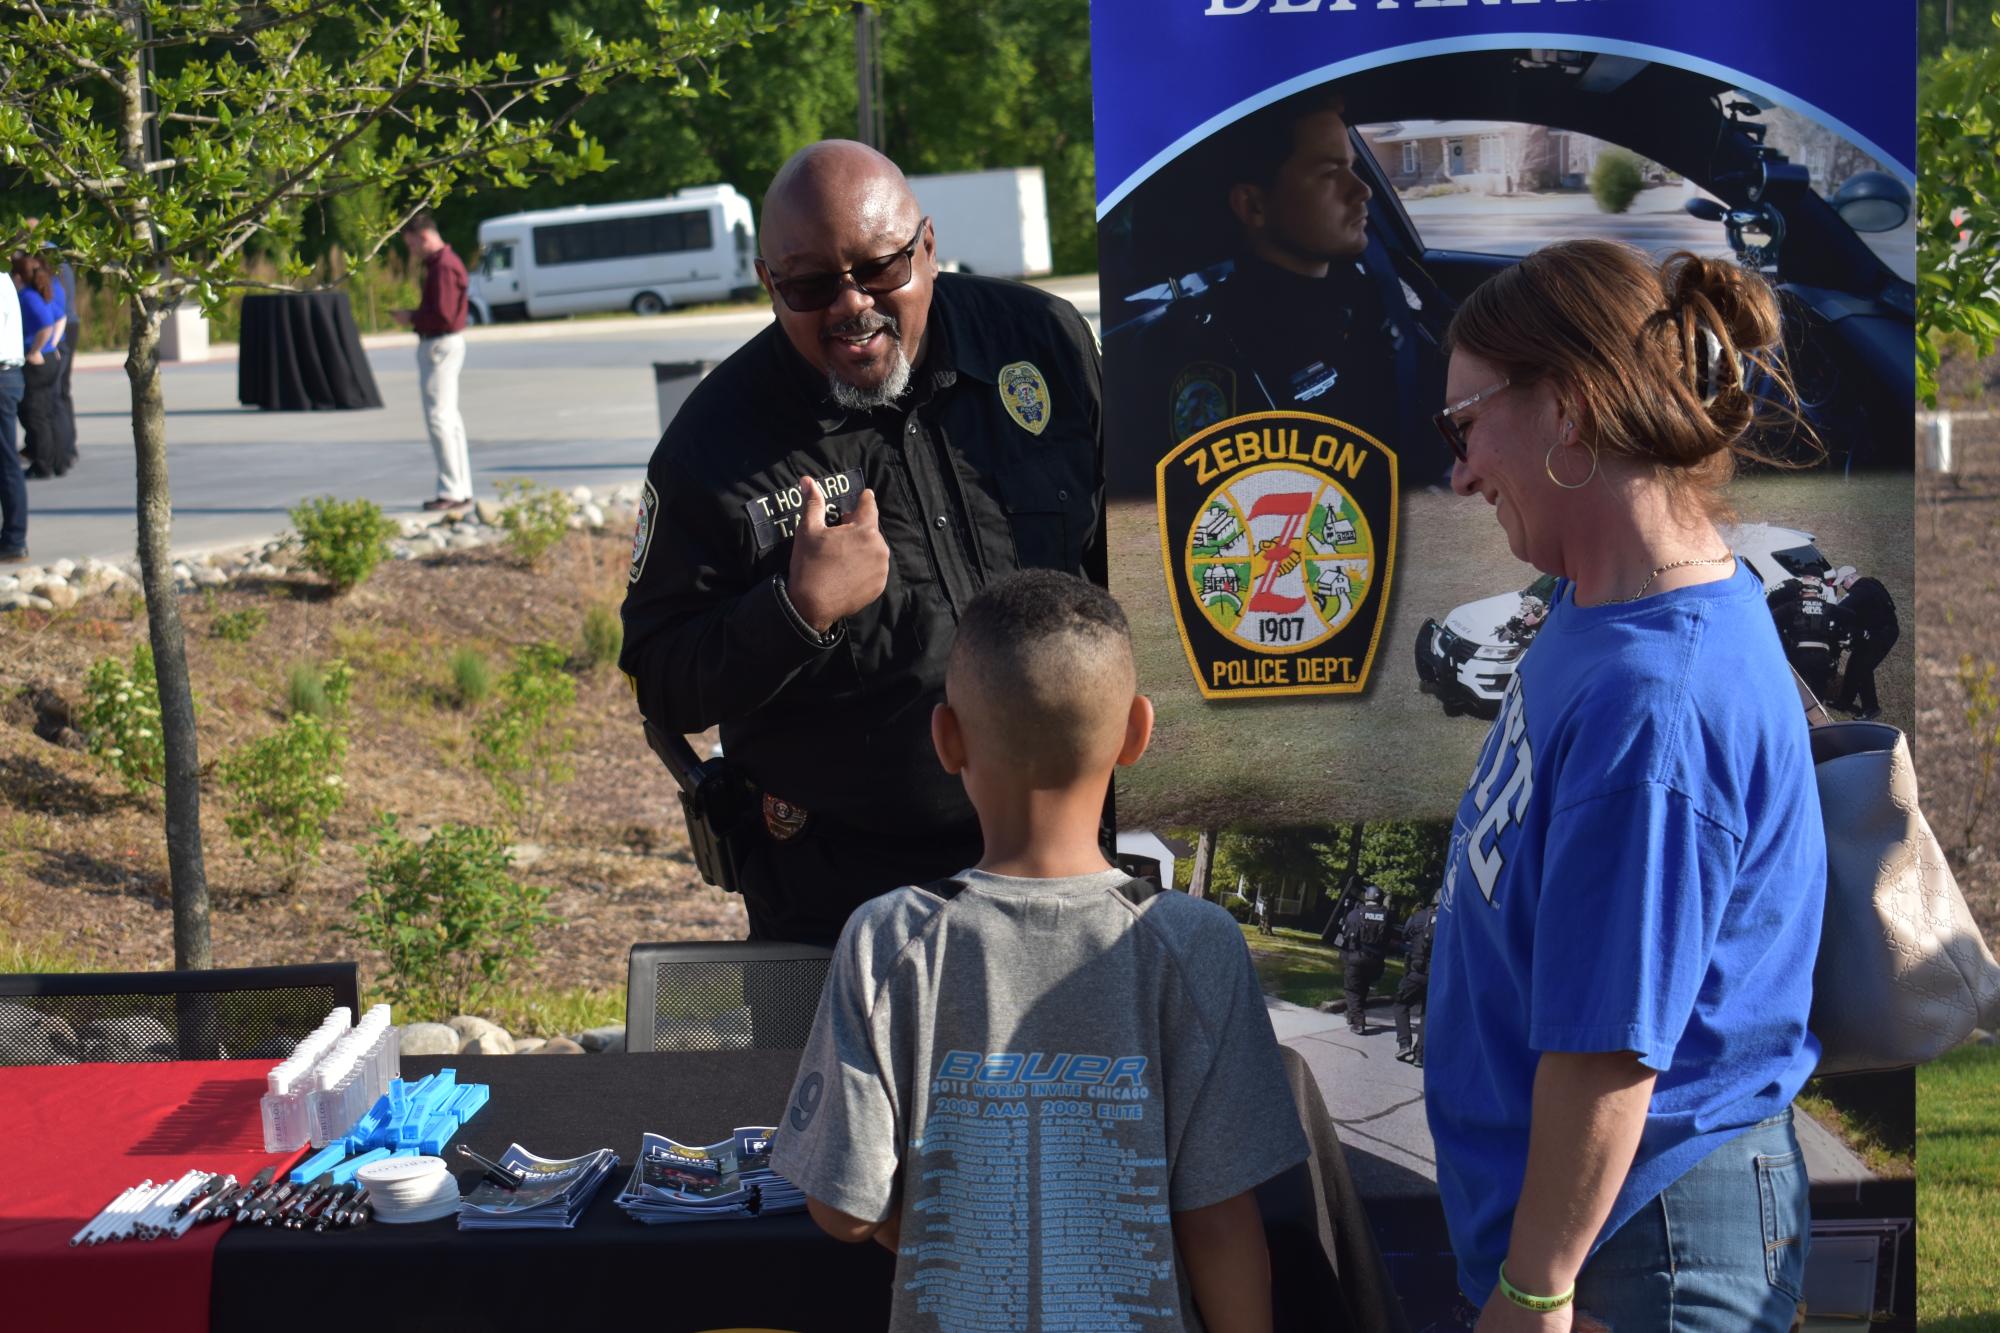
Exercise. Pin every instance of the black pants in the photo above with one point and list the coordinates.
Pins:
(1410, 996)
(1815, 667)
(1867, 654)
(63, 386)
(45, 446)
(1360, 971)
(13, 493)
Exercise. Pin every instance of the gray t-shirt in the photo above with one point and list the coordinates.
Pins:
(1047, 1070)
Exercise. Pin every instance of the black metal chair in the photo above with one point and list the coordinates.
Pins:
(253, 1013)
(716, 995)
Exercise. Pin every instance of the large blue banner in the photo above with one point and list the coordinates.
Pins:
(1295, 198)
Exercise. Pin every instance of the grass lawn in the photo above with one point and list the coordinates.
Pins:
(1293, 965)
(1958, 1204)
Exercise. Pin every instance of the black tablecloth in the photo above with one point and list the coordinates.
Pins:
(301, 352)
(777, 1272)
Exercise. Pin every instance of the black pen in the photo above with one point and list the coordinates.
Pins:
(228, 1203)
(208, 1194)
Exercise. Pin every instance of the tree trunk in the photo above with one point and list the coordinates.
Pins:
(163, 623)
(1204, 861)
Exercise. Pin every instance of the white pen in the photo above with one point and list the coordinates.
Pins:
(103, 1213)
(114, 1216)
(161, 1215)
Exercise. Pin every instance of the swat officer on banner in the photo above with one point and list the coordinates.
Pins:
(1365, 955)
(1417, 935)
(1801, 611)
(819, 514)
(1312, 316)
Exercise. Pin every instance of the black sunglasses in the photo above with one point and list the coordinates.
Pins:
(875, 277)
(1447, 420)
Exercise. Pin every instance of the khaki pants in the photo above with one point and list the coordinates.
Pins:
(438, 362)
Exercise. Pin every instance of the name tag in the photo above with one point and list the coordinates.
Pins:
(775, 517)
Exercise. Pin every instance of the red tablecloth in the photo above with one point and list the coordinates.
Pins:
(74, 1137)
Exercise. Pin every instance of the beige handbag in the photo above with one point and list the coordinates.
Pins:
(1903, 973)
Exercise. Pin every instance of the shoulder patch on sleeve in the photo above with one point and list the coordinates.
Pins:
(642, 533)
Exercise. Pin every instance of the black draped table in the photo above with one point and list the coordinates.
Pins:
(300, 352)
(775, 1272)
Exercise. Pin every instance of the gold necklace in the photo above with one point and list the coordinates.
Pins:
(1674, 564)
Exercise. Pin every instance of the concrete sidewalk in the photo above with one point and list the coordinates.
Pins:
(1378, 1103)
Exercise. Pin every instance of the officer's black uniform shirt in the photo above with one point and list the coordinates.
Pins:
(1866, 609)
(966, 493)
(1367, 930)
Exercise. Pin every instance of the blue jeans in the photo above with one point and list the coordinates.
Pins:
(1722, 1250)
(13, 488)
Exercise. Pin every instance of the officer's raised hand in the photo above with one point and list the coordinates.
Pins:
(840, 570)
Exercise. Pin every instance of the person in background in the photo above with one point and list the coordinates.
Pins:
(66, 286)
(1866, 616)
(439, 320)
(1417, 935)
(43, 442)
(13, 490)
(1624, 949)
(1366, 955)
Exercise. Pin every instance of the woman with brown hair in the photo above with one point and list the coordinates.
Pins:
(1624, 948)
(45, 447)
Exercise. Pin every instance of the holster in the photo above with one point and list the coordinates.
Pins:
(715, 803)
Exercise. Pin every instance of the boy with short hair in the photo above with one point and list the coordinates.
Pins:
(1051, 1101)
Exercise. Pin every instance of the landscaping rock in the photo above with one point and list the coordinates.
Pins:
(529, 1045)
(30, 575)
(208, 576)
(63, 569)
(593, 516)
(558, 1046)
(487, 512)
(603, 1041)
(59, 595)
(495, 1042)
(8, 583)
(26, 601)
(429, 1039)
(37, 1038)
(468, 1026)
(127, 1040)
(579, 495)
(414, 527)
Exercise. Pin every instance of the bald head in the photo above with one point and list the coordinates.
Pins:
(1041, 677)
(836, 185)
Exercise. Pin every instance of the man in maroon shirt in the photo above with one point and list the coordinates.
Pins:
(440, 324)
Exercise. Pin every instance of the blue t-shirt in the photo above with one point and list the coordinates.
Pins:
(1637, 865)
(37, 314)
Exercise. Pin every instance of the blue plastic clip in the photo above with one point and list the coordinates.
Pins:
(471, 1096)
(323, 1160)
(345, 1171)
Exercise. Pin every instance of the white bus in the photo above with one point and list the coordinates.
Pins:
(696, 245)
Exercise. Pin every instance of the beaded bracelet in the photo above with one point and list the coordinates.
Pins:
(1539, 1304)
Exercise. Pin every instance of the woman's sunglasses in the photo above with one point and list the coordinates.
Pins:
(1447, 420)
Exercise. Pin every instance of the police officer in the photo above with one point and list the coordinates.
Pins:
(1310, 317)
(821, 510)
(1866, 617)
(1363, 959)
(1809, 635)
(1417, 935)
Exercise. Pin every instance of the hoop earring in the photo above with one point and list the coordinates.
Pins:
(1548, 466)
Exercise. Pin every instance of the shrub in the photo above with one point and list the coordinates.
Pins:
(471, 676)
(315, 691)
(1616, 180)
(1239, 907)
(533, 517)
(342, 540)
(603, 635)
(282, 789)
(121, 716)
(238, 626)
(447, 915)
(521, 744)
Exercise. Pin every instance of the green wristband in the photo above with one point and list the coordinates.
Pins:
(1539, 1304)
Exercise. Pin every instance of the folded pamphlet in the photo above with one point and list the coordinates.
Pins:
(733, 1179)
(552, 1194)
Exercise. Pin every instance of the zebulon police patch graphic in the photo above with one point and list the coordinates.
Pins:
(1279, 535)
(642, 532)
